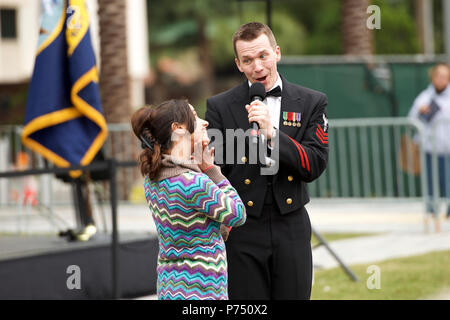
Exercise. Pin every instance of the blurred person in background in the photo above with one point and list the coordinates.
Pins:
(432, 108)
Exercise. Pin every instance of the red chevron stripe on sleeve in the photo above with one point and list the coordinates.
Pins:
(323, 137)
(302, 154)
(319, 128)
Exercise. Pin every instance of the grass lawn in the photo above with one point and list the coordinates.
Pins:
(410, 278)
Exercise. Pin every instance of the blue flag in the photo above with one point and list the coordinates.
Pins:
(64, 121)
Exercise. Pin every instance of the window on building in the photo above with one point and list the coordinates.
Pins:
(8, 23)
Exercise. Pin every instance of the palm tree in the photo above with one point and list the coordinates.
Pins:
(424, 18)
(114, 77)
(357, 38)
(115, 82)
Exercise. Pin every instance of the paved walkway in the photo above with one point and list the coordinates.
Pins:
(399, 224)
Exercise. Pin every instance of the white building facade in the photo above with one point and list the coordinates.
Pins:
(19, 31)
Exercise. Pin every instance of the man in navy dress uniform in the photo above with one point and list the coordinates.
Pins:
(270, 256)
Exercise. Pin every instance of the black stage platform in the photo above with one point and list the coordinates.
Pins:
(38, 267)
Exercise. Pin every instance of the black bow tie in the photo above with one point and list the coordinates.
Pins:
(276, 92)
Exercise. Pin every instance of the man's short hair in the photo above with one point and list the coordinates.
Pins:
(252, 30)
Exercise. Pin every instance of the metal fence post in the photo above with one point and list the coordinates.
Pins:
(115, 235)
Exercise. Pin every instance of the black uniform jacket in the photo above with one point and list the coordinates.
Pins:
(303, 150)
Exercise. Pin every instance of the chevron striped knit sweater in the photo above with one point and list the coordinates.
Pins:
(188, 207)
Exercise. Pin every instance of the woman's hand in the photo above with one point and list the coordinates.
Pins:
(424, 109)
(205, 159)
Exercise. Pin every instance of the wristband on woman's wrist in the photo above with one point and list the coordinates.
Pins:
(208, 168)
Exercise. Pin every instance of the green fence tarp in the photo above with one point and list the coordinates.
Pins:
(354, 92)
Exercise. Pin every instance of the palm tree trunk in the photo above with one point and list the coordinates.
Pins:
(115, 83)
(424, 18)
(207, 82)
(357, 38)
(114, 77)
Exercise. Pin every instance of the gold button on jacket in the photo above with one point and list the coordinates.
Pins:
(247, 181)
(290, 178)
(250, 203)
(244, 159)
(289, 201)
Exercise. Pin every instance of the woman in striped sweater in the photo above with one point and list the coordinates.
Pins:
(189, 199)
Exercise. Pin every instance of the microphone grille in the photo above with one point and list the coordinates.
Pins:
(257, 90)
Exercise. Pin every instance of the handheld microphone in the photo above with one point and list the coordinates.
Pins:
(257, 92)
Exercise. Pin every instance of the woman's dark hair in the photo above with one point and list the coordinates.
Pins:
(153, 127)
